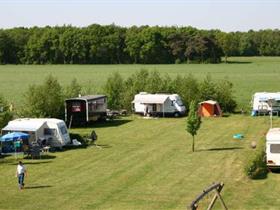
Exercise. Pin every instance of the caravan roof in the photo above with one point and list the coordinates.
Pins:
(86, 98)
(150, 98)
(24, 125)
(29, 124)
(264, 96)
(273, 134)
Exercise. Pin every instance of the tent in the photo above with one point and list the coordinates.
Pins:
(209, 108)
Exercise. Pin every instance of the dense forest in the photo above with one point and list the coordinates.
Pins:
(113, 44)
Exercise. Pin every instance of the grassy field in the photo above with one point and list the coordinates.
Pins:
(247, 74)
(146, 164)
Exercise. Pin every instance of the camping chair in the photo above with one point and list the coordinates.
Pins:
(34, 151)
(93, 138)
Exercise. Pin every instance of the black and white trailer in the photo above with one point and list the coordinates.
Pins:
(82, 110)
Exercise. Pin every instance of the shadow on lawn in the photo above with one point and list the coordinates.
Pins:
(43, 157)
(238, 62)
(32, 163)
(37, 186)
(104, 124)
(219, 149)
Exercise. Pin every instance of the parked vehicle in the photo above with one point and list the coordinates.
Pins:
(264, 103)
(158, 104)
(48, 131)
(85, 109)
(273, 148)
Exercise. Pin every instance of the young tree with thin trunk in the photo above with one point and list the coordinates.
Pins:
(193, 121)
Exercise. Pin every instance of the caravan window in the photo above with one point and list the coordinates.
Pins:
(49, 131)
(76, 107)
(275, 148)
(63, 130)
(179, 102)
(92, 106)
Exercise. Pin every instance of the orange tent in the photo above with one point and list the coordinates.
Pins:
(209, 108)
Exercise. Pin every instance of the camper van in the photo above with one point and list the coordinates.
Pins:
(273, 148)
(50, 130)
(264, 103)
(158, 105)
(85, 109)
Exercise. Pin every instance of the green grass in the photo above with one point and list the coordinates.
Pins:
(146, 164)
(247, 74)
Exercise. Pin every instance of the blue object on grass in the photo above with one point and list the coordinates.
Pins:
(238, 136)
(14, 136)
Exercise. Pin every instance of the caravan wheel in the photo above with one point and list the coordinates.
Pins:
(176, 114)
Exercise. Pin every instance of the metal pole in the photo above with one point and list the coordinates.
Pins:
(271, 118)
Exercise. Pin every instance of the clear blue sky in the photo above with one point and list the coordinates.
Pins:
(227, 15)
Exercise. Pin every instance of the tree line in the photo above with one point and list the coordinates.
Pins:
(111, 44)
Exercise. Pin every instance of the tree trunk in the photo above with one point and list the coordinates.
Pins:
(193, 144)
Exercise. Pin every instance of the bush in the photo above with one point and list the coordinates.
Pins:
(255, 167)
(45, 100)
(5, 114)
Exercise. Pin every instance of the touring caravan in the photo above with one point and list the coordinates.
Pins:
(264, 103)
(158, 104)
(53, 131)
(84, 109)
(273, 148)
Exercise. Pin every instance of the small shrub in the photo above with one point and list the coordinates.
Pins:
(255, 167)
(5, 114)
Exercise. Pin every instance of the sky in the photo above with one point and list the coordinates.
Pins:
(226, 15)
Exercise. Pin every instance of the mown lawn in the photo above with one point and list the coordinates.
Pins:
(146, 164)
(248, 74)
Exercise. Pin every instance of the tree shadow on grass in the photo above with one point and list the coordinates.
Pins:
(32, 163)
(42, 157)
(37, 186)
(104, 124)
(261, 175)
(219, 149)
(100, 146)
(111, 123)
(237, 62)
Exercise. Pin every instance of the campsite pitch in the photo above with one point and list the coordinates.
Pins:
(146, 164)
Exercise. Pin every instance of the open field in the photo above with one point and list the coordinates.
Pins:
(247, 74)
(146, 164)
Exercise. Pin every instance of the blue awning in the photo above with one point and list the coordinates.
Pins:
(14, 136)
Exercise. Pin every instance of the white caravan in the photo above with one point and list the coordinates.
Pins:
(261, 103)
(158, 104)
(53, 131)
(273, 148)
